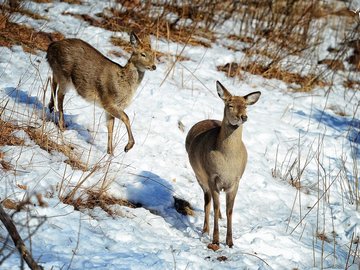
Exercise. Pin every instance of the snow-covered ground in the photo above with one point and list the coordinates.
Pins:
(275, 225)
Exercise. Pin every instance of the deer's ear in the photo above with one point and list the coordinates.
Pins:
(134, 40)
(223, 93)
(252, 98)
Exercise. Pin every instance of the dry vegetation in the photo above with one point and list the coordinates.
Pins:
(271, 32)
(275, 31)
(91, 199)
(40, 138)
(12, 33)
(168, 23)
(274, 72)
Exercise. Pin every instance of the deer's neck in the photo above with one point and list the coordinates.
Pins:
(141, 75)
(140, 72)
(230, 138)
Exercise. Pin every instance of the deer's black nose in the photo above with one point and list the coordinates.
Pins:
(244, 118)
(153, 67)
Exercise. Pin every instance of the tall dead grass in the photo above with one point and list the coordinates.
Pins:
(13, 33)
(282, 39)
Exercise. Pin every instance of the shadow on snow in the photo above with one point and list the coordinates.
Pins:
(350, 127)
(23, 97)
(157, 195)
(341, 124)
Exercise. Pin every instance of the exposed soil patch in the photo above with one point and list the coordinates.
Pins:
(183, 207)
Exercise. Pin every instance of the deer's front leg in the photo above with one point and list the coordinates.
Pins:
(125, 119)
(230, 198)
(216, 202)
(110, 125)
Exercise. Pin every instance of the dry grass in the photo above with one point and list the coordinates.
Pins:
(306, 83)
(21, 205)
(354, 58)
(351, 84)
(6, 136)
(333, 64)
(322, 237)
(12, 33)
(41, 139)
(91, 199)
(75, 2)
(126, 46)
(45, 143)
(28, 38)
(138, 19)
(19, 8)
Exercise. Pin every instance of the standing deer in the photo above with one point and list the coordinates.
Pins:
(218, 157)
(98, 79)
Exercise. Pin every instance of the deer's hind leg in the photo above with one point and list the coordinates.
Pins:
(54, 85)
(60, 103)
(58, 89)
(207, 208)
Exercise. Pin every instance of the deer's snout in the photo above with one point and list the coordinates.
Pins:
(153, 67)
(244, 118)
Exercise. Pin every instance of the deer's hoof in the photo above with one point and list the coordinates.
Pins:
(213, 246)
(229, 242)
(129, 146)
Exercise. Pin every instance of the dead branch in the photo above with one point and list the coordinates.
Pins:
(19, 243)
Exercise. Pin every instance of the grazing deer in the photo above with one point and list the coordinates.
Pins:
(218, 156)
(98, 79)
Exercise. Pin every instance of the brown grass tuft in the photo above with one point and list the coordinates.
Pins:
(41, 139)
(45, 143)
(92, 199)
(12, 33)
(139, 19)
(333, 64)
(306, 83)
(354, 58)
(20, 205)
(322, 237)
(351, 84)
(125, 45)
(75, 2)
(30, 39)
(6, 136)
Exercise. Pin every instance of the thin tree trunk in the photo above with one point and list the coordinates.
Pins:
(19, 243)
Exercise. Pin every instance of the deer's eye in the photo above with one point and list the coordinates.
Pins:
(231, 107)
(143, 54)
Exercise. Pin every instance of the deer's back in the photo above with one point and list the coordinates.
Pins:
(93, 75)
(75, 56)
(201, 129)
